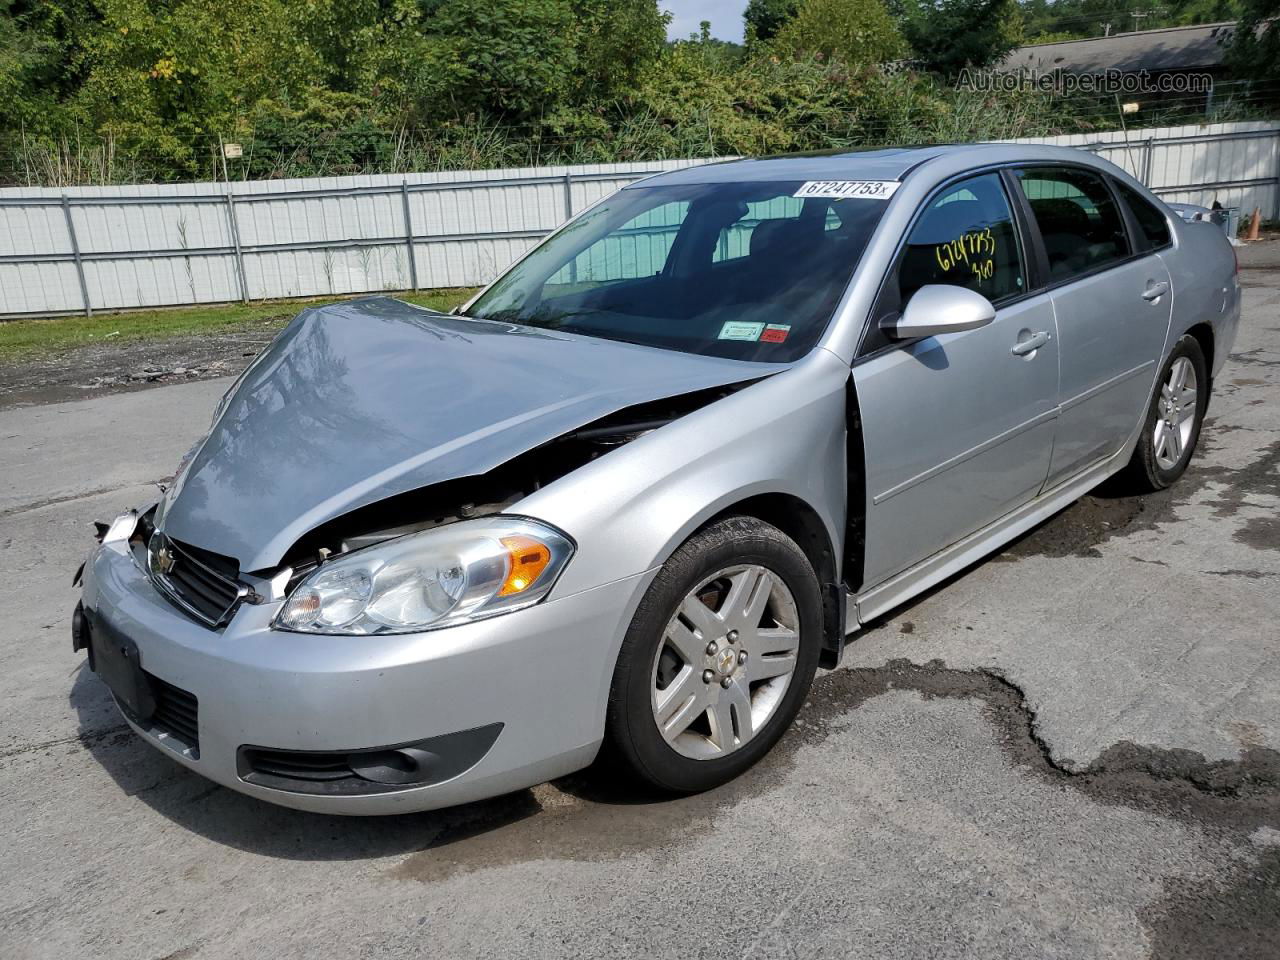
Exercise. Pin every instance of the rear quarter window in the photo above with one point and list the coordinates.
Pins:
(1152, 224)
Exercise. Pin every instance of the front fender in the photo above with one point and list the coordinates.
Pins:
(629, 510)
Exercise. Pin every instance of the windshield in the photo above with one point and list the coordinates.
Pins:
(740, 270)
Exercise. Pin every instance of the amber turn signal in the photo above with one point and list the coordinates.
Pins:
(528, 558)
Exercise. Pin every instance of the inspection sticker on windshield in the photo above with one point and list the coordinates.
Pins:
(740, 330)
(849, 189)
(775, 333)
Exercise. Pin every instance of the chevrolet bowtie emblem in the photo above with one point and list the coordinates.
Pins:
(165, 560)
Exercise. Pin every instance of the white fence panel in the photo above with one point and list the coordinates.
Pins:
(1236, 164)
(158, 245)
(173, 244)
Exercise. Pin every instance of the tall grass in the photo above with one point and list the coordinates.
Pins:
(897, 110)
(77, 160)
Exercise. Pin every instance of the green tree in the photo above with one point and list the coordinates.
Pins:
(40, 61)
(1058, 36)
(616, 41)
(1205, 11)
(434, 59)
(854, 31)
(764, 18)
(24, 54)
(1253, 52)
(1093, 18)
(947, 35)
(168, 77)
(330, 28)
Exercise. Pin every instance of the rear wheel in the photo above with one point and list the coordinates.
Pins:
(718, 659)
(1174, 417)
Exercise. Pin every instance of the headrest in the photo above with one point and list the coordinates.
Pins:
(1057, 214)
(780, 236)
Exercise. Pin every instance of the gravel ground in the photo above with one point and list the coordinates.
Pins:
(1068, 751)
(103, 367)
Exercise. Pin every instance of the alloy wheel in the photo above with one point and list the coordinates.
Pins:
(1176, 414)
(726, 658)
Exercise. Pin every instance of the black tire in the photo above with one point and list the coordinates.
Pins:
(633, 742)
(1144, 473)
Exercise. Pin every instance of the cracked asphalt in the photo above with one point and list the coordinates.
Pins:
(1068, 751)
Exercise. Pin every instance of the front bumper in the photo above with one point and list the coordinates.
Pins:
(542, 673)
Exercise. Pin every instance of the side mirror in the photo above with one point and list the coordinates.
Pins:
(942, 308)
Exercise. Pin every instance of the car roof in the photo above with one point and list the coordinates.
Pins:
(888, 163)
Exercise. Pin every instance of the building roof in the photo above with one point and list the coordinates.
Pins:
(1172, 48)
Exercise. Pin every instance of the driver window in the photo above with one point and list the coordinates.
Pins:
(965, 237)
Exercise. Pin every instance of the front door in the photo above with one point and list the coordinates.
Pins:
(957, 428)
(1112, 308)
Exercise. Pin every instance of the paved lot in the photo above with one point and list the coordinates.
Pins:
(1069, 751)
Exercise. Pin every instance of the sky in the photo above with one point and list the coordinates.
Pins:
(725, 17)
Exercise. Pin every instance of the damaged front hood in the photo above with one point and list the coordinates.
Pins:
(363, 400)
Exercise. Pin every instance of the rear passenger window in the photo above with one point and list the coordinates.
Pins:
(1152, 223)
(1078, 219)
(965, 237)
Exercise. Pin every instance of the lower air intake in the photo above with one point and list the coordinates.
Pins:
(375, 770)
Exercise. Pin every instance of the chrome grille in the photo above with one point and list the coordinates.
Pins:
(201, 584)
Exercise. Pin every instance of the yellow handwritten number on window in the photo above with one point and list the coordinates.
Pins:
(977, 248)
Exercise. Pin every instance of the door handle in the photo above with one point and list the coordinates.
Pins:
(1155, 291)
(1031, 344)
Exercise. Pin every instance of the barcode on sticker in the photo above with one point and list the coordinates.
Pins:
(849, 189)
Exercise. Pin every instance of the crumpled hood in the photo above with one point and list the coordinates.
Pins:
(366, 399)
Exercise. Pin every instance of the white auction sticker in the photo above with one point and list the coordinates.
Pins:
(849, 189)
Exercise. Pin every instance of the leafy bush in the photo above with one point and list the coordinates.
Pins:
(947, 35)
(856, 31)
(98, 91)
(1254, 50)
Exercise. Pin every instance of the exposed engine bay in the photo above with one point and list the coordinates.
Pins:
(467, 498)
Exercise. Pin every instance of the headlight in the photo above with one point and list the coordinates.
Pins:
(423, 581)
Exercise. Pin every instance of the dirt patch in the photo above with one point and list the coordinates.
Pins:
(1261, 533)
(1244, 574)
(1235, 917)
(105, 367)
(1093, 520)
(1255, 358)
(1260, 477)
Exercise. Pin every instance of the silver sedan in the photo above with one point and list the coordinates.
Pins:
(630, 497)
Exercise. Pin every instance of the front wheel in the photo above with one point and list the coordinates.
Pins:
(1174, 417)
(718, 659)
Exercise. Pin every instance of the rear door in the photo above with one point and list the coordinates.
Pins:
(1111, 295)
(957, 428)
